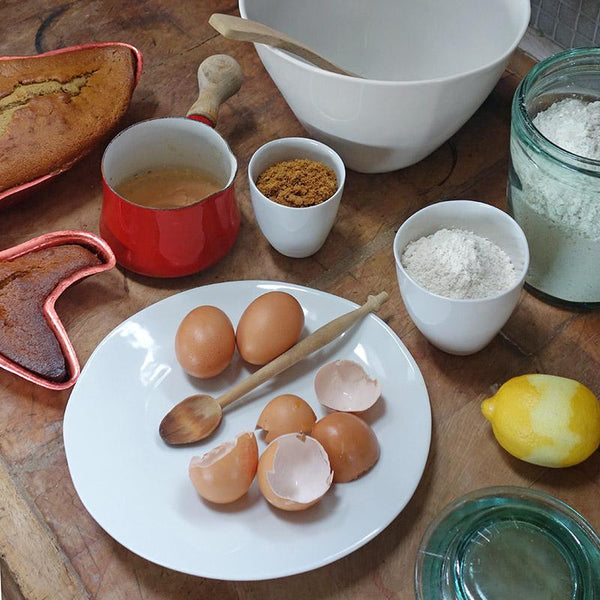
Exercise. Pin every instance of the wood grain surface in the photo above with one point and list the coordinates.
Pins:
(50, 547)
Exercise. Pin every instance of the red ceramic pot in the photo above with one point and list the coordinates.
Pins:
(172, 242)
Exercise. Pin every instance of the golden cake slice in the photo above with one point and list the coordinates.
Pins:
(55, 107)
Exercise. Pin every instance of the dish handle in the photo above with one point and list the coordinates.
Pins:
(219, 77)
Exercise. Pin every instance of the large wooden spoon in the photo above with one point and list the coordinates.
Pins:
(198, 416)
(245, 30)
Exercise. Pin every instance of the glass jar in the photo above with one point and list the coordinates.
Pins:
(554, 194)
(508, 543)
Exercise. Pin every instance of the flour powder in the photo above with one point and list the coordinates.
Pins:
(573, 125)
(459, 264)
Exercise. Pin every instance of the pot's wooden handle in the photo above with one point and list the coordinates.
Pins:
(315, 341)
(245, 30)
(219, 77)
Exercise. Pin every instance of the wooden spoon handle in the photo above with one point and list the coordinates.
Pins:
(219, 77)
(315, 341)
(245, 30)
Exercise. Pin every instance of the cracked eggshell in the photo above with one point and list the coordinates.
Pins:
(343, 385)
(350, 443)
(287, 413)
(294, 472)
(225, 473)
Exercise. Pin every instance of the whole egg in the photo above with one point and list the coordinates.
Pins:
(268, 327)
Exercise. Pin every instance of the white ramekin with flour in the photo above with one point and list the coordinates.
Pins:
(460, 266)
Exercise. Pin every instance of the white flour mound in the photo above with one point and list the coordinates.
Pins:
(459, 264)
(573, 125)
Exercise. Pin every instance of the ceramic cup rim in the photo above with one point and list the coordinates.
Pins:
(499, 215)
(213, 133)
(304, 145)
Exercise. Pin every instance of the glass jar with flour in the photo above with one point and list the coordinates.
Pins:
(554, 178)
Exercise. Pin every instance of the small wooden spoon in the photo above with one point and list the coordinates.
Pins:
(198, 416)
(245, 30)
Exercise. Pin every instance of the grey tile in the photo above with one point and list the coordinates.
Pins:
(581, 41)
(550, 7)
(535, 3)
(563, 35)
(586, 27)
(546, 23)
(567, 16)
(535, 11)
(572, 4)
(591, 8)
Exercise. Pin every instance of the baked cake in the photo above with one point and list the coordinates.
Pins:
(54, 109)
(25, 283)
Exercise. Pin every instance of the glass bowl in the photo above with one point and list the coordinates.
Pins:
(505, 543)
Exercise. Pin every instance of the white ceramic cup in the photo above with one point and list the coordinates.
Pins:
(296, 232)
(453, 325)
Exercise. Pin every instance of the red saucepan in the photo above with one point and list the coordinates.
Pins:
(172, 242)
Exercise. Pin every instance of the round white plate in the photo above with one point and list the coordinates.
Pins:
(137, 488)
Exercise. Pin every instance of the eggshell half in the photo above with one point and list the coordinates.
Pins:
(225, 473)
(350, 443)
(287, 413)
(344, 385)
(294, 472)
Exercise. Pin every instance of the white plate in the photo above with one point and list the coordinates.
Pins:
(137, 488)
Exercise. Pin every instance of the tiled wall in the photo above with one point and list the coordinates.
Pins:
(569, 23)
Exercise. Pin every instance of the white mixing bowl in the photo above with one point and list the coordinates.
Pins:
(427, 66)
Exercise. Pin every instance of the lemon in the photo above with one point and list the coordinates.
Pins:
(545, 420)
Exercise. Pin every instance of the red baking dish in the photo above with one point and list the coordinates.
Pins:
(82, 238)
(14, 193)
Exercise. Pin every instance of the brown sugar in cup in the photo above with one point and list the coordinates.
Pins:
(298, 182)
(295, 230)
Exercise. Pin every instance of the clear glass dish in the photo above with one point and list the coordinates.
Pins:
(554, 194)
(506, 543)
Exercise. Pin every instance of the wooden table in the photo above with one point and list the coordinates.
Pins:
(49, 545)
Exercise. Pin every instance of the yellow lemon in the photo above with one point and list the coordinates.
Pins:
(545, 420)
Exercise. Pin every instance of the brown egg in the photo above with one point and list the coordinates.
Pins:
(269, 326)
(294, 472)
(205, 342)
(350, 443)
(225, 473)
(286, 414)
